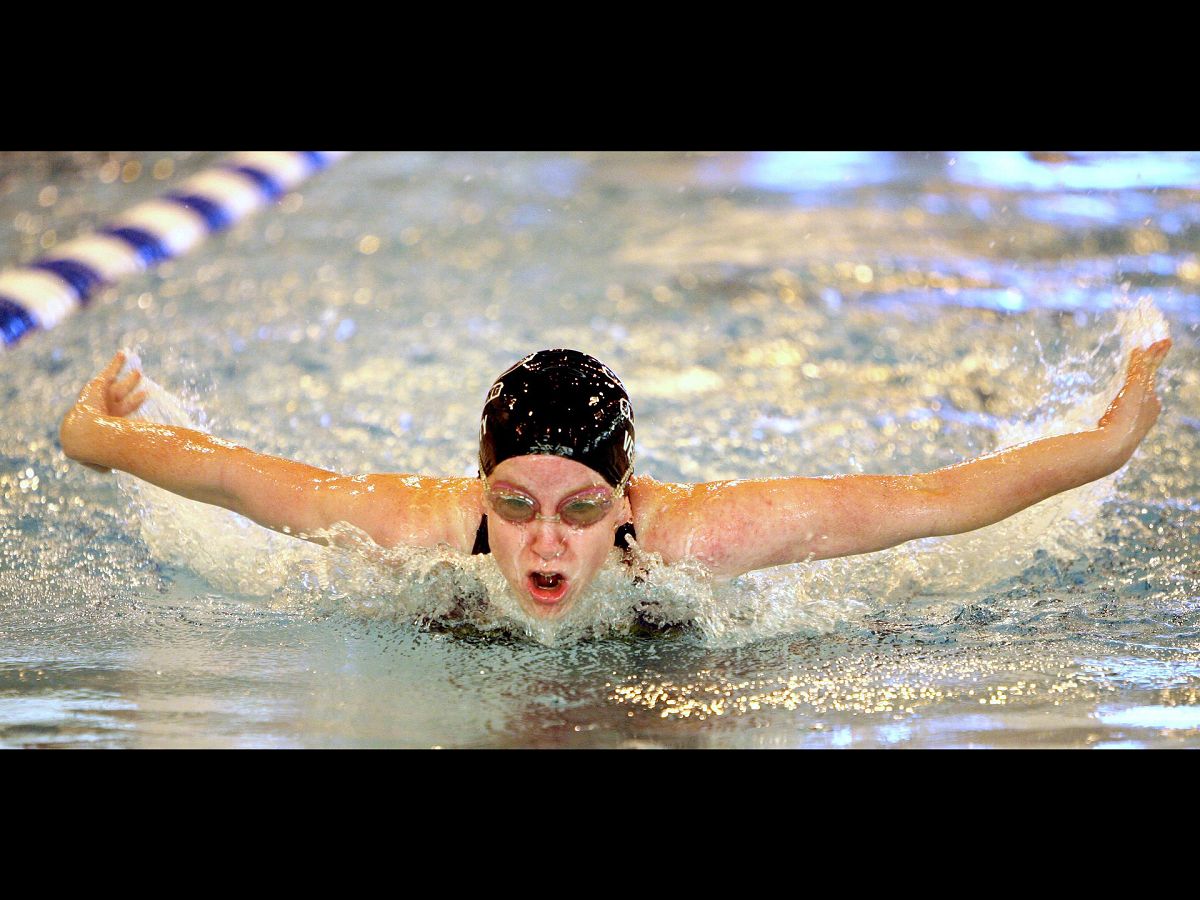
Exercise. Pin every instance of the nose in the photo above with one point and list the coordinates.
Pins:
(546, 538)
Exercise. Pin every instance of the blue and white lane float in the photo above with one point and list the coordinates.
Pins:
(43, 293)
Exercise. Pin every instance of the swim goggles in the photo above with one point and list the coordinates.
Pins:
(578, 511)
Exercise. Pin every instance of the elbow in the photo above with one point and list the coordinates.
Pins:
(226, 489)
(64, 438)
(933, 500)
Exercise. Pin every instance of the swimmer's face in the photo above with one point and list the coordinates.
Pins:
(549, 564)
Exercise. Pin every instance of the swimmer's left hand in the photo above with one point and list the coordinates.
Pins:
(1136, 407)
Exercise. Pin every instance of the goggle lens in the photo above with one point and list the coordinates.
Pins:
(513, 509)
(582, 513)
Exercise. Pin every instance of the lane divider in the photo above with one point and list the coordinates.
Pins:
(43, 293)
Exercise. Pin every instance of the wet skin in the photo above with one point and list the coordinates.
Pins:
(730, 527)
(575, 554)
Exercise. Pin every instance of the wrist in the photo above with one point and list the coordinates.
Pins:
(1112, 447)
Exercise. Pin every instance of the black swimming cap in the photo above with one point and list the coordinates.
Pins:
(561, 403)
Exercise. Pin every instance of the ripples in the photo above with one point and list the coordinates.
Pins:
(784, 322)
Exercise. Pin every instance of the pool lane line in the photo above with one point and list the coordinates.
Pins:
(40, 294)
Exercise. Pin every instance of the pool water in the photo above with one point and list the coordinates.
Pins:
(771, 314)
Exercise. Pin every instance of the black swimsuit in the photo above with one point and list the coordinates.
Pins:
(482, 545)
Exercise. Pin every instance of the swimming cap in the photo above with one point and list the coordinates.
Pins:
(561, 403)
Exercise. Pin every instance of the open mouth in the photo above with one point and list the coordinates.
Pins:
(547, 587)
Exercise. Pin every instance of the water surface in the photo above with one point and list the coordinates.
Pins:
(771, 314)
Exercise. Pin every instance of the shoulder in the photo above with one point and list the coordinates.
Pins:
(424, 511)
(729, 526)
(648, 496)
(660, 512)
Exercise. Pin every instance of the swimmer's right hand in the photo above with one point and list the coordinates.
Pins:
(104, 395)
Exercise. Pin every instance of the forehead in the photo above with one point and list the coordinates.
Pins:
(548, 474)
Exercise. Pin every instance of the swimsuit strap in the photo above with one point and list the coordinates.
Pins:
(481, 538)
(482, 545)
(626, 529)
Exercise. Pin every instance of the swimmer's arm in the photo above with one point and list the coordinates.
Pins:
(277, 493)
(735, 527)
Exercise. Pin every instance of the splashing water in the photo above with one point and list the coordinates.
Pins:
(439, 587)
(1141, 324)
(900, 314)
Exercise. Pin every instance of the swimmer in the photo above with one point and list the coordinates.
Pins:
(556, 487)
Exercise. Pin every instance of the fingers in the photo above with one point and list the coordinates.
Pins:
(114, 366)
(1158, 351)
(1144, 361)
(113, 396)
(1155, 354)
(94, 393)
(121, 397)
(132, 402)
(118, 390)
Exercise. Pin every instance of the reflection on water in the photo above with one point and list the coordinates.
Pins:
(1172, 717)
(771, 314)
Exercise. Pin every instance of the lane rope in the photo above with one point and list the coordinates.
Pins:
(40, 294)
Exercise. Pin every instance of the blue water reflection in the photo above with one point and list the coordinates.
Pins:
(1010, 169)
(1078, 171)
(813, 170)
